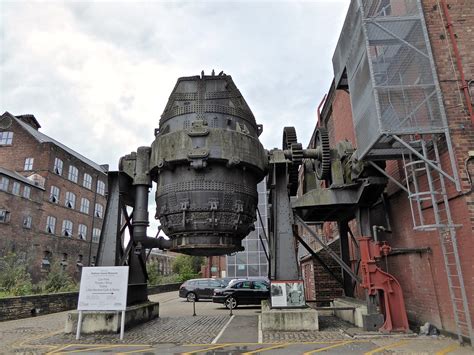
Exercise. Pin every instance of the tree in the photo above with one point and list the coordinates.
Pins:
(14, 277)
(187, 266)
(58, 280)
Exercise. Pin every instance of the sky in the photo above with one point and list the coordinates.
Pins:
(97, 75)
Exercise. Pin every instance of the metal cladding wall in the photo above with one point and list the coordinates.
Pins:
(207, 161)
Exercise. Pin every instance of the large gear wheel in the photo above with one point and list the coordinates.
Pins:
(290, 142)
(323, 165)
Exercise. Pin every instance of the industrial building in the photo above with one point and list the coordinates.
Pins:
(403, 94)
(52, 199)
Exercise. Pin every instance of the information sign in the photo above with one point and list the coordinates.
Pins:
(287, 294)
(103, 288)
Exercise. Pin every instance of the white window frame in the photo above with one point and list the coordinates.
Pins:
(58, 166)
(27, 221)
(70, 200)
(96, 235)
(73, 173)
(6, 138)
(66, 230)
(87, 181)
(16, 188)
(4, 182)
(29, 164)
(4, 216)
(101, 187)
(54, 194)
(85, 204)
(50, 224)
(26, 191)
(99, 210)
(82, 231)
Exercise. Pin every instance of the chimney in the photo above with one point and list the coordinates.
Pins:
(29, 120)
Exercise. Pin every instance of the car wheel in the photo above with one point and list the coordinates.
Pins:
(191, 296)
(231, 302)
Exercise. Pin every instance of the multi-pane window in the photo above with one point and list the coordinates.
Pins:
(50, 224)
(4, 183)
(27, 222)
(28, 164)
(6, 138)
(73, 173)
(70, 200)
(82, 231)
(100, 187)
(58, 166)
(46, 262)
(99, 210)
(95, 235)
(4, 216)
(87, 183)
(84, 205)
(26, 192)
(54, 194)
(16, 188)
(67, 228)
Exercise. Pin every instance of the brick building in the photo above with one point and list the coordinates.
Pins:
(423, 276)
(52, 199)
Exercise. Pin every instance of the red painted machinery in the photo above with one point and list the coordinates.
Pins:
(382, 284)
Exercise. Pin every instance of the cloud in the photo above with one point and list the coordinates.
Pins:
(97, 75)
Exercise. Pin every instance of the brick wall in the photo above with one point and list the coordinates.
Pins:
(28, 306)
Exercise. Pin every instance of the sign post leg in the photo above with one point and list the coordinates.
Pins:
(79, 321)
(122, 325)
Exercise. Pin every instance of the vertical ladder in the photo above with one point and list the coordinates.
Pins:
(427, 186)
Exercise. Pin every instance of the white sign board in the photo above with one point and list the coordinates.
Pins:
(103, 288)
(287, 294)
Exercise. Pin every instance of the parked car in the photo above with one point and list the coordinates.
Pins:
(196, 289)
(242, 292)
(252, 278)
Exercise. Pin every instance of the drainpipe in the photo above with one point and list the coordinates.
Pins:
(464, 84)
(318, 124)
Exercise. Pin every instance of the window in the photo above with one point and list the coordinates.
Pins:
(84, 205)
(67, 228)
(27, 222)
(46, 262)
(259, 285)
(100, 187)
(54, 194)
(26, 192)
(99, 210)
(93, 261)
(70, 200)
(63, 262)
(87, 183)
(82, 231)
(4, 216)
(29, 164)
(95, 235)
(58, 166)
(6, 138)
(16, 188)
(73, 173)
(79, 262)
(50, 224)
(4, 183)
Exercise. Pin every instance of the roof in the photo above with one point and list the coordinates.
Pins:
(43, 138)
(16, 176)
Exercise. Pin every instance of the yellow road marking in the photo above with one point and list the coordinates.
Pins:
(390, 346)
(206, 349)
(448, 349)
(56, 351)
(94, 347)
(299, 342)
(328, 347)
(266, 349)
(135, 351)
(22, 343)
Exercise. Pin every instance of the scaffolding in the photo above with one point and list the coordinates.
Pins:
(384, 57)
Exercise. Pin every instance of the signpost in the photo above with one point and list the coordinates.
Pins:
(103, 289)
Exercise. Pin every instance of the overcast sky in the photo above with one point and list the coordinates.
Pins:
(97, 75)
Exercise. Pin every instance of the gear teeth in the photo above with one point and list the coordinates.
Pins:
(323, 169)
(290, 142)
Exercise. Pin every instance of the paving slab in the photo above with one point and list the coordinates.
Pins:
(240, 329)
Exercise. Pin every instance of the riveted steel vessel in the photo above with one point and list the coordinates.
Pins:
(207, 161)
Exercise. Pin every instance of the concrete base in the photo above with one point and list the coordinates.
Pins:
(109, 322)
(352, 316)
(288, 319)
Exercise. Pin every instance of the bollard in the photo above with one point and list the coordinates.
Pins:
(194, 307)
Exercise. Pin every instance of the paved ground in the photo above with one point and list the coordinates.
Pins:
(212, 331)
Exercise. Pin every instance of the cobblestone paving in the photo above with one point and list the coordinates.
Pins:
(183, 330)
(330, 328)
